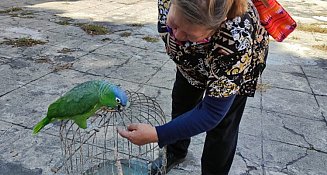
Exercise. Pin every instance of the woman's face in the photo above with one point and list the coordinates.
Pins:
(184, 30)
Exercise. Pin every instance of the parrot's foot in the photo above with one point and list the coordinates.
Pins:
(110, 110)
(105, 109)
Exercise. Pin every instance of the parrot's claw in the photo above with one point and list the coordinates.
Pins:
(105, 109)
(111, 110)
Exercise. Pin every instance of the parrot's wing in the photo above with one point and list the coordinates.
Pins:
(80, 100)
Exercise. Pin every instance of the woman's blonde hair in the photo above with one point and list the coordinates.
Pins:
(210, 13)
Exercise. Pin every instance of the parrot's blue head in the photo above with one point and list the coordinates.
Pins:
(112, 96)
(121, 97)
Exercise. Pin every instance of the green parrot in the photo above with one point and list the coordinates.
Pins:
(83, 101)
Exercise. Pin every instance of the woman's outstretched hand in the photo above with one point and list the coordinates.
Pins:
(139, 133)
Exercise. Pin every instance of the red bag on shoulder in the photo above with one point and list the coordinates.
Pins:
(278, 23)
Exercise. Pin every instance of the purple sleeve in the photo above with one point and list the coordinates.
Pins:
(204, 117)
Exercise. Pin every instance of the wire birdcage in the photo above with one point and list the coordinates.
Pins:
(100, 150)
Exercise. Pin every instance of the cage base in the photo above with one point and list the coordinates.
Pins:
(126, 167)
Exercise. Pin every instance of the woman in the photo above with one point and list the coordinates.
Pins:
(219, 48)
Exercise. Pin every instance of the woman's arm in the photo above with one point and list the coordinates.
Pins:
(205, 116)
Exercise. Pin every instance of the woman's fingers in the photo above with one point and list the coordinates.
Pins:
(132, 127)
(139, 133)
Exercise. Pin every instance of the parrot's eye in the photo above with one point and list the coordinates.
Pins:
(117, 100)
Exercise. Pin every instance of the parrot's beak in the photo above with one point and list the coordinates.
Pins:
(120, 108)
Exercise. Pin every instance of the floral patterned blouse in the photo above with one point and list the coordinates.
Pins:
(202, 64)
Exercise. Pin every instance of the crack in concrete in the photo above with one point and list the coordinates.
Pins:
(300, 146)
(26, 127)
(314, 95)
(124, 44)
(282, 113)
(1, 95)
(189, 170)
(91, 51)
(311, 147)
(160, 68)
(93, 74)
(262, 134)
(85, 72)
(285, 169)
(297, 74)
(324, 118)
(294, 90)
(4, 132)
(249, 167)
(287, 143)
(123, 30)
(17, 124)
(321, 95)
(123, 64)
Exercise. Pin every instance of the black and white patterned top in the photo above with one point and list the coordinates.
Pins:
(202, 64)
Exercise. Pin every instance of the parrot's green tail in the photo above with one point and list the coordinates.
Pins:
(41, 125)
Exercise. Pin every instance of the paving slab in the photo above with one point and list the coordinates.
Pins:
(292, 78)
(256, 101)
(162, 96)
(290, 53)
(18, 72)
(10, 52)
(68, 30)
(192, 163)
(248, 155)
(294, 130)
(251, 122)
(316, 72)
(10, 32)
(140, 67)
(289, 159)
(318, 86)
(302, 104)
(31, 155)
(101, 64)
(53, 54)
(322, 100)
(30, 23)
(144, 38)
(165, 77)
